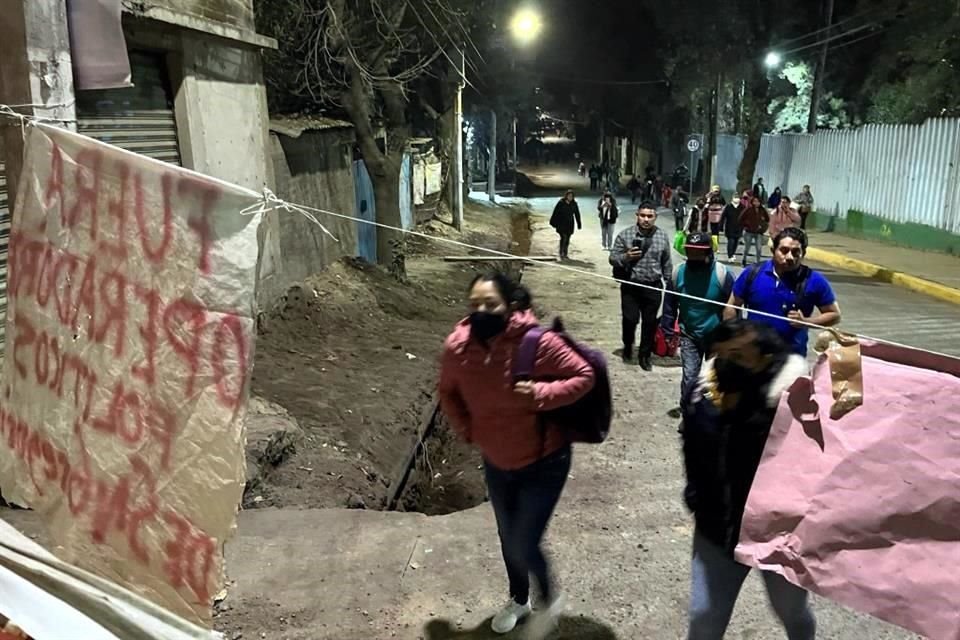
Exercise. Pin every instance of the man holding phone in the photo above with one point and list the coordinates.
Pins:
(641, 255)
(787, 288)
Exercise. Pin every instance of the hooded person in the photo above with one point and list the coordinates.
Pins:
(526, 458)
(727, 417)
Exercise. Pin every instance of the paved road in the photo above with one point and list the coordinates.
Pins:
(630, 569)
(869, 307)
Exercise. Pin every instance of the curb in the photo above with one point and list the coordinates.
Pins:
(883, 274)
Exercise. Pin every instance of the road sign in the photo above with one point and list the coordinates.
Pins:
(693, 145)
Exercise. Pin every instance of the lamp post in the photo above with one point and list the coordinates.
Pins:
(526, 25)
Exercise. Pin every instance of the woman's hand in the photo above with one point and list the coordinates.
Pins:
(525, 388)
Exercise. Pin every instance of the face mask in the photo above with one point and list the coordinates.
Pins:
(484, 326)
(732, 376)
(698, 265)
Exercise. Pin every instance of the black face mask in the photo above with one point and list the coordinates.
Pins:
(698, 265)
(485, 326)
(732, 376)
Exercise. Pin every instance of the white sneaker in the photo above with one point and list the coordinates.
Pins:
(543, 623)
(507, 618)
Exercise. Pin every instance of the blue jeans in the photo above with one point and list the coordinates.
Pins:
(691, 356)
(607, 230)
(750, 239)
(523, 501)
(716, 583)
(733, 242)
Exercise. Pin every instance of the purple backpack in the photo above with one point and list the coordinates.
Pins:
(588, 419)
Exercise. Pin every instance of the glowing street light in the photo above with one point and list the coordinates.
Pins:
(773, 60)
(526, 26)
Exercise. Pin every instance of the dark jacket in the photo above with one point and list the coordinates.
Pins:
(722, 449)
(565, 214)
(775, 200)
(755, 219)
(730, 222)
(614, 212)
(699, 220)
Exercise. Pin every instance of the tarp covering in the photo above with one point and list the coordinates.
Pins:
(130, 320)
(865, 509)
(97, 44)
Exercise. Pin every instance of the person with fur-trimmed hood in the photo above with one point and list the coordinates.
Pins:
(727, 418)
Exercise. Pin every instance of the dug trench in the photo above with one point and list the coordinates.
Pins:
(343, 410)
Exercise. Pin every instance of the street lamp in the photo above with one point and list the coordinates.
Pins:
(773, 60)
(526, 26)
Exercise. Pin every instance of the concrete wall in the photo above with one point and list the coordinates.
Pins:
(236, 13)
(313, 169)
(221, 107)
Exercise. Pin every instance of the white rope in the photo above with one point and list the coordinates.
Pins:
(271, 202)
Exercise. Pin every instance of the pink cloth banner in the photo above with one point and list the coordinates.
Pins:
(865, 510)
(97, 44)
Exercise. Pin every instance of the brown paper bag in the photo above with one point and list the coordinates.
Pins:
(846, 370)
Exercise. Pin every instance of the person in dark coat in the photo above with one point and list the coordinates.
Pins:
(565, 214)
(775, 198)
(727, 418)
(730, 223)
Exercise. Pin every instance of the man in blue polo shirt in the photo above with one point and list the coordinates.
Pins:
(787, 288)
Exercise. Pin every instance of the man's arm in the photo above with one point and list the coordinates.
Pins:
(576, 213)
(670, 304)
(730, 313)
(618, 256)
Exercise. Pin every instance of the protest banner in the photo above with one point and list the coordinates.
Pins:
(863, 508)
(130, 341)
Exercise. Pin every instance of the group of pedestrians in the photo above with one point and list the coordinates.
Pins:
(604, 177)
(746, 218)
(727, 405)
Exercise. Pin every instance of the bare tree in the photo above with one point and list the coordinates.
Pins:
(363, 56)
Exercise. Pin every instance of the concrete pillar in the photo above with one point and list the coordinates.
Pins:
(36, 70)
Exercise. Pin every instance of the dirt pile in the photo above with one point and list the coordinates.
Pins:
(351, 354)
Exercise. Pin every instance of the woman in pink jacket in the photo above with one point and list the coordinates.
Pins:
(783, 217)
(526, 459)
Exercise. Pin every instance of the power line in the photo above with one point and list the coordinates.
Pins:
(829, 28)
(833, 38)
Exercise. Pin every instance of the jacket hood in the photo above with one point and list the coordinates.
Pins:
(794, 367)
(518, 324)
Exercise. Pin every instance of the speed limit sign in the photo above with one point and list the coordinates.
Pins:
(693, 145)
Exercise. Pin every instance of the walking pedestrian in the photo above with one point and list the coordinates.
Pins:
(710, 283)
(730, 223)
(641, 254)
(715, 214)
(608, 211)
(755, 221)
(726, 421)
(759, 190)
(699, 217)
(788, 289)
(775, 198)
(526, 459)
(679, 205)
(784, 217)
(805, 201)
(565, 214)
(594, 177)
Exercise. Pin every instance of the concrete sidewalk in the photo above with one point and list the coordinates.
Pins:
(933, 274)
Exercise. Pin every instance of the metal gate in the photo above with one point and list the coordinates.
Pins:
(366, 210)
(140, 118)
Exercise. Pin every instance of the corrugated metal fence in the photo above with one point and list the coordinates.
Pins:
(902, 173)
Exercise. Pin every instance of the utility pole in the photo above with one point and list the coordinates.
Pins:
(715, 128)
(458, 135)
(816, 96)
(492, 168)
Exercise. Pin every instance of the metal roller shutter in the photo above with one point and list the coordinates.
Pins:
(4, 243)
(138, 118)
